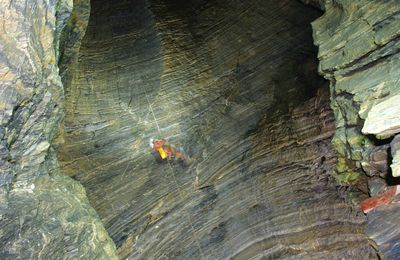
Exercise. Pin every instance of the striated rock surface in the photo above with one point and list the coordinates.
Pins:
(265, 202)
(227, 82)
(233, 84)
(378, 161)
(376, 185)
(382, 228)
(43, 215)
(359, 52)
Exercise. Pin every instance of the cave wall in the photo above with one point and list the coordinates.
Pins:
(232, 83)
(226, 81)
(360, 60)
(44, 215)
(359, 53)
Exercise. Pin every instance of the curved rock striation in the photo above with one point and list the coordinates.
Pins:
(233, 83)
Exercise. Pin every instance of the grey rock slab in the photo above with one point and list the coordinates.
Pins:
(395, 150)
(384, 118)
(395, 164)
(383, 229)
(376, 185)
(43, 215)
(378, 160)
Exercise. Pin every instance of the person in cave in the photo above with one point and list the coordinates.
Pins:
(163, 151)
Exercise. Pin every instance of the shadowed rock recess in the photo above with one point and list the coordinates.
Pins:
(86, 85)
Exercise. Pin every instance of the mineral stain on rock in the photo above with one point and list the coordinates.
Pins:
(279, 161)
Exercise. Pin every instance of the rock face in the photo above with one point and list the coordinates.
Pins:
(382, 227)
(360, 56)
(359, 53)
(395, 151)
(232, 84)
(43, 214)
(383, 119)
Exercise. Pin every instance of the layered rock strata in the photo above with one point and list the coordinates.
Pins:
(233, 83)
(225, 81)
(359, 52)
(43, 215)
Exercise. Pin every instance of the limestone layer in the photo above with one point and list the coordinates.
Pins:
(231, 82)
(43, 215)
(359, 52)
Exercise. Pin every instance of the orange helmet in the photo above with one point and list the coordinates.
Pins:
(157, 144)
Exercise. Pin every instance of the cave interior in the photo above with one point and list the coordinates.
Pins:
(256, 97)
(234, 85)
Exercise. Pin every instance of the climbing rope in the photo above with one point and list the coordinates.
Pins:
(174, 178)
(197, 241)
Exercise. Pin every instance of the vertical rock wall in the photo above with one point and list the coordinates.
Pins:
(43, 215)
(232, 83)
(359, 53)
(227, 81)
